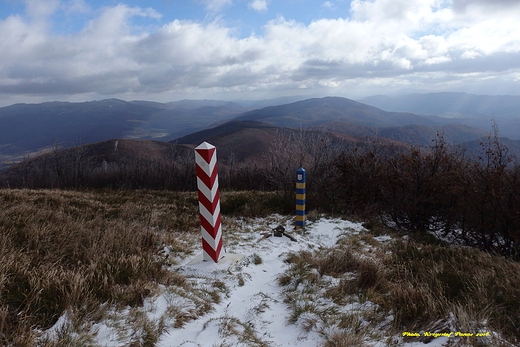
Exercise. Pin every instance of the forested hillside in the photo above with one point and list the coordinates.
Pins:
(438, 189)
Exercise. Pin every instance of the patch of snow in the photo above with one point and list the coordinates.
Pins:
(383, 238)
(251, 309)
(258, 303)
(61, 324)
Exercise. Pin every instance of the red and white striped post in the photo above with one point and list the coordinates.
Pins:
(209, 201)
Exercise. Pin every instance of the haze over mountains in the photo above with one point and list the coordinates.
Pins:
(461, 108)
(28, 129)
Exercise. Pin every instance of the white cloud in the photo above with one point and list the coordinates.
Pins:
(215, 5)
(421, 43)
(327, 4)
(485, 5)
(258, 5)
(38, 9)
(76, 6)
(437, 60)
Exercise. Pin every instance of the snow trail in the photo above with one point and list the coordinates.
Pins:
(253, 312)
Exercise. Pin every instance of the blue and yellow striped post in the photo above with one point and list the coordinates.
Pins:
(300, 197)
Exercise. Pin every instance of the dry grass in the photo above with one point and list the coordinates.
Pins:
(255, 204)
(92, 253)
(234, 332)
(342, 338)
(426, 287)
(71, 251)
(333, 262)
(435, 280)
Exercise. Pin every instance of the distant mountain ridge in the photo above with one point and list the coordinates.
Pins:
(28, 129)
(462, 108)
(345, 116)
(320, 111)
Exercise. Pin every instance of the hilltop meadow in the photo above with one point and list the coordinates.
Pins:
(89, 246)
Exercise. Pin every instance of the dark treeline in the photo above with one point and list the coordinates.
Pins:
(473, 201)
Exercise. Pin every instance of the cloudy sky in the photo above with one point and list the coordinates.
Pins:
(166, 50)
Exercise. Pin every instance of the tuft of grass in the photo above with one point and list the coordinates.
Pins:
(334, 262)
(233, 332)
(342, 337)
(257, 259)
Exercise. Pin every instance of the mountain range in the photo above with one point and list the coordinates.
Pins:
(458, 108)
(28, 130)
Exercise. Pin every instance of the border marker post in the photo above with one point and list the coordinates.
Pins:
(209, 201)
(301, 178)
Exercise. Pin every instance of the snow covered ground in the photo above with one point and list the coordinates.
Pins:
(239, 301)
(257, 302)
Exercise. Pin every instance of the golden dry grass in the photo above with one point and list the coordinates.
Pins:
(86, 252)
(72, 251)
(64, 250)
(424, 286)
